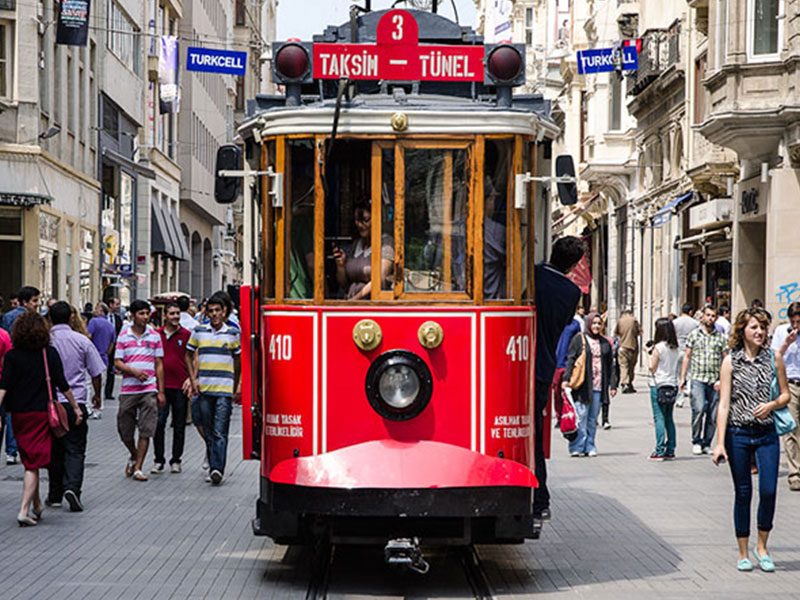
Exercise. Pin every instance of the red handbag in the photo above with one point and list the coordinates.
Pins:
(569, 420)
(56, 414)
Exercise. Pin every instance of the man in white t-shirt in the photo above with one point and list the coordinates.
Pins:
(786, 342)
(723, 323)
(684, 325)
(187, 321)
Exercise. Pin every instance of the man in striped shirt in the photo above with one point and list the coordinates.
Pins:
(139, 357)
(215, 379)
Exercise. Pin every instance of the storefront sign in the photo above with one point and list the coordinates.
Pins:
(603, 60)
(749, 201)
(398, 56)
(73, 22)
(208, 60)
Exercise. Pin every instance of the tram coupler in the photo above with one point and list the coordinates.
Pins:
(406, 552)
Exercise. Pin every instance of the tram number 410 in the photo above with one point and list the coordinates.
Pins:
(280, 347)
(519, 348)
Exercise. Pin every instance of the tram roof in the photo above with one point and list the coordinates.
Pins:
(427, 114)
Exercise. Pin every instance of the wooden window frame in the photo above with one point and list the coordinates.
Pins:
(275, 228)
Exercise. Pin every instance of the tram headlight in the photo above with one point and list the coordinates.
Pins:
(504, 64)
(399, 385)
(292, 63)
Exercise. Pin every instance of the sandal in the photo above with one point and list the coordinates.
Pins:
(37, 514)
(139, 476)
(129, 467)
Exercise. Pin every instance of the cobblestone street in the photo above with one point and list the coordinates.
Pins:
(622, 527)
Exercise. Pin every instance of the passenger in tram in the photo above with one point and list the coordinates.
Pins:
(354, 265)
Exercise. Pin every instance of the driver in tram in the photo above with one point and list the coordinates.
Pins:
(354, 265)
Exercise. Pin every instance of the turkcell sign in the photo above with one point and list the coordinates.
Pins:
(209, 60)
(602, 60)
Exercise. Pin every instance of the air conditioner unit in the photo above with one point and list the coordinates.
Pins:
(715, 212)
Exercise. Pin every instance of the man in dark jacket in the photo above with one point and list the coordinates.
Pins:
(116, 320)
(556, 300)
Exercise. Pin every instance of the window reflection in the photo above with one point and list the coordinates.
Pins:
(435, 220)
(497, 157)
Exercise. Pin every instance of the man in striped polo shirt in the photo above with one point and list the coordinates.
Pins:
(139, 357)
(215, 379)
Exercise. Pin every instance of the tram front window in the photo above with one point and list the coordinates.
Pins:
(495, 217)
(435, 220)
(300, 221)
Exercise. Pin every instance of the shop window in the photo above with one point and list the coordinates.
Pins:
(435, 220)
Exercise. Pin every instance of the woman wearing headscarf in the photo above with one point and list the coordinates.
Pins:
(599, 383)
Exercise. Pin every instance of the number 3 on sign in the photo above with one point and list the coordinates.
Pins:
(280, 347)
(397, 34)
(518, 348)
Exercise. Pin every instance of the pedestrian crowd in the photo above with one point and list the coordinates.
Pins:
(742, 383)
(52, 363)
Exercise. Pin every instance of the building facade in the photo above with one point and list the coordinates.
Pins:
(49, 191)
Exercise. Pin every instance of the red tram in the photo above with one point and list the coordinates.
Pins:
(388, 385)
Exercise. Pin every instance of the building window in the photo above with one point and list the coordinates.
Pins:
(699, 89)
(123, 37)
(240, 12)
(764, 29)
(529, 26)
(722, 34)
(614, 102)
(6, 58)
(240, 93)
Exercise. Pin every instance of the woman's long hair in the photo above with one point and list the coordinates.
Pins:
(665, 332)
(76, 322)
(30, 331)
(740, 324)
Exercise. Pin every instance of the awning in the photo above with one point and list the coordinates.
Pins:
(178, 239)
(160, 239)
(23, 199)
(700, 238)
(663, 215)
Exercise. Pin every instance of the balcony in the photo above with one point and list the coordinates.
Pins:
(661, 50)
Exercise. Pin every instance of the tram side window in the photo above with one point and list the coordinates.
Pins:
(387, 212)
(497, 159)
(435, 220)
(300, 220)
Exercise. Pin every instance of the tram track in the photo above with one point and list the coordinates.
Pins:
(452, 567)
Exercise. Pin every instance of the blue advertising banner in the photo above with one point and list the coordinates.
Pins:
(209, 60)
(603, 60)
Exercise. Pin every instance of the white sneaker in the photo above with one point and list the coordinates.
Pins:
(679, 402)
(707, 450)
(574, 454)
(205, 464)
(592, 453)
(697, 449)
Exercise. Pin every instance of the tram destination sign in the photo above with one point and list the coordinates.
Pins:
(398, 56)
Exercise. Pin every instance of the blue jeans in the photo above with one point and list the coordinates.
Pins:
(665, 425)
(741, 444)
(704, 413)
(11, 443)
(587, 425)
(215, 413)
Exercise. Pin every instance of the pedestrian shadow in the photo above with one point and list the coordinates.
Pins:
(591, 539)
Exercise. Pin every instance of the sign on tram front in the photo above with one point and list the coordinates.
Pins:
(398, 55)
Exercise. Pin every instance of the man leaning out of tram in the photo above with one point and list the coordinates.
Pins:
(556, 300)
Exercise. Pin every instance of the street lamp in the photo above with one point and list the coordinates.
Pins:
(53, 131)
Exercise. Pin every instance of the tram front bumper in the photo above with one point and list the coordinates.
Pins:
(387, 479)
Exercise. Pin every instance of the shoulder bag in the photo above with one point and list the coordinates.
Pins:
(666, 394)
(579, 368)
(56, 414)
(784, 422)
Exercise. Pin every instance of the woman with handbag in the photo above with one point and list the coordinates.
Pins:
(753, 396)
(664, 358)
(590, 376)
(32, 370)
